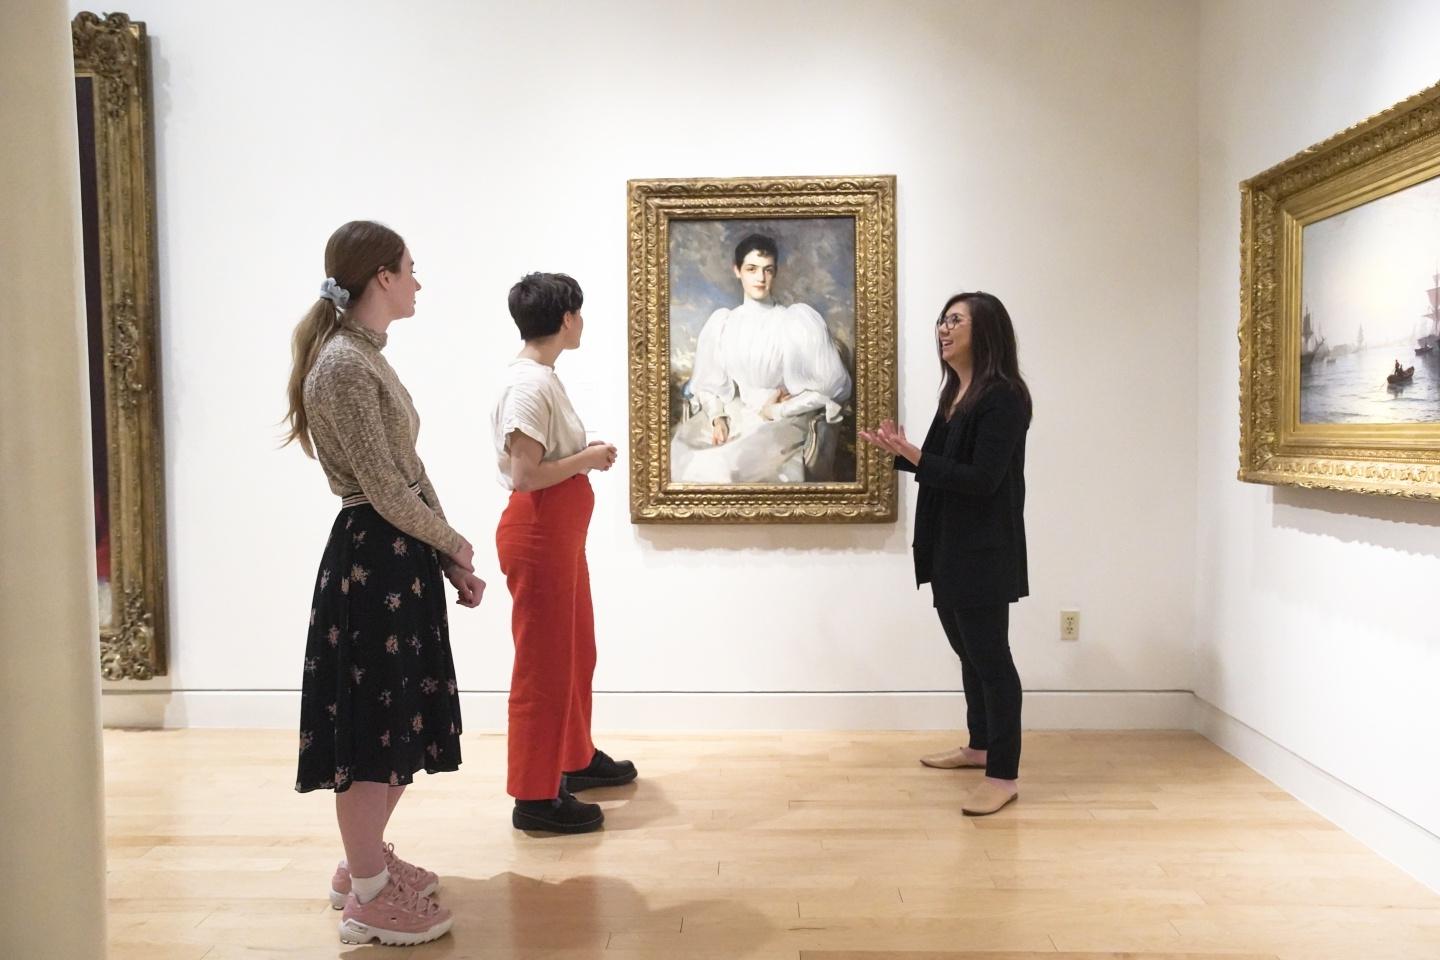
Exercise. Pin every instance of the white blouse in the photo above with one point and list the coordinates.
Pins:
(759, 348)
(534, 402)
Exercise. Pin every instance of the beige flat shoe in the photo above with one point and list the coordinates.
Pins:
(951, 760)
(986, 799)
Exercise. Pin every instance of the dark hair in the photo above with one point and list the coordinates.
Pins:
(540, 301)
(354, 254)
(992, 349)
(756, 243)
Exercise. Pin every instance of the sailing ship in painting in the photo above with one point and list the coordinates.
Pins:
(1315, 348)
(1312, 342)
(1425, 344)
(1361, 353)
(1333, 353)
(1367, 382)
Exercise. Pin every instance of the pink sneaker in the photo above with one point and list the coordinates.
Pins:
(416, 878)
(398, 916)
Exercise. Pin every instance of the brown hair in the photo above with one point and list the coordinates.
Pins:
(354, 253)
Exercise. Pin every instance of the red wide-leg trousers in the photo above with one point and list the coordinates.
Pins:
(541, 542)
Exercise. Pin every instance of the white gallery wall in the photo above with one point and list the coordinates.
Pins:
(1045, 151)
(1318, 614)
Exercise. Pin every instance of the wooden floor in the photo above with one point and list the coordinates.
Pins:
(832, 846)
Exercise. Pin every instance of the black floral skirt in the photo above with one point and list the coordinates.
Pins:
(379, 699)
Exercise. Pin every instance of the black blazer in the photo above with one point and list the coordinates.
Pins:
(970, 514)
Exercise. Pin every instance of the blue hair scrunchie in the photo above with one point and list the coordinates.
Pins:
(336, 294)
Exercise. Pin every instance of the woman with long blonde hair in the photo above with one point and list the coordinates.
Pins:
(379, 698)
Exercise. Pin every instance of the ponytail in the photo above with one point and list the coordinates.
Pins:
(312, 332)
(353, 255)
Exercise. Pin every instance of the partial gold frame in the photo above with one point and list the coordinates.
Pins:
(653, 204)
(1386, 153)
(114, 51)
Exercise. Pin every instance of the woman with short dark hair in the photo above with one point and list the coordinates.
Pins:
(543, 460)
(970, 528)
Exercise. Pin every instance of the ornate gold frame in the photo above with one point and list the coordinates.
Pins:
(114, 54)
(653, 204)
(1386, 153)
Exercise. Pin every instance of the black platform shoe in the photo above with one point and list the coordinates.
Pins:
(601, 772)
(564, 814)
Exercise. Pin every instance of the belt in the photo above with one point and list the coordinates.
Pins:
(358, 499)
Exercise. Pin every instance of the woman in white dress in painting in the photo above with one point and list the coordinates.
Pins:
(762, 373)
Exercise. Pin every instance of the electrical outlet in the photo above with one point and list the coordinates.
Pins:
(1069, 624)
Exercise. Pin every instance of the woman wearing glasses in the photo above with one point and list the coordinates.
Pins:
(970, 528)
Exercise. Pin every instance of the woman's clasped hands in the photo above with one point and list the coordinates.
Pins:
(460, 571)
(599, 455)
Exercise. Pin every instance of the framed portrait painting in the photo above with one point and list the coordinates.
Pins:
(762, 332)
(117, 204)
(1340, 310)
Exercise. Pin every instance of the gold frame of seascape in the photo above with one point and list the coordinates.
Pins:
(114, 53)
(653, 204)
(1392, 150)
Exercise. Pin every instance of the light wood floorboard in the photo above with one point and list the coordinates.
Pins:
(785, 846)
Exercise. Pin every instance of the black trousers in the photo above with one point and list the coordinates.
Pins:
(980, 637)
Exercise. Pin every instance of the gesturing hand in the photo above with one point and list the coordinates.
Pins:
(890, 437)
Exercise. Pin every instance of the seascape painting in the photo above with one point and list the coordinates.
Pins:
(1370, 312)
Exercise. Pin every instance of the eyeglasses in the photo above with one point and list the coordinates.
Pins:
(950, 321)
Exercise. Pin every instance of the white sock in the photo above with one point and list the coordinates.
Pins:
(368, 888)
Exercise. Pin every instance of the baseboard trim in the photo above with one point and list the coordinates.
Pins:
(675, 711)
(1398, 839)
